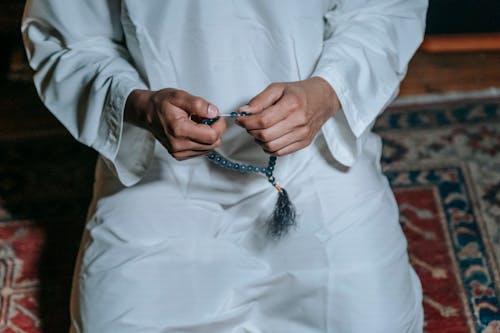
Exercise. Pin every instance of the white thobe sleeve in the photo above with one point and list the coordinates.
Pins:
(84, 74)
(366, 50)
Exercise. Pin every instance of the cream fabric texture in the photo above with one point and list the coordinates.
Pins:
(179, 246)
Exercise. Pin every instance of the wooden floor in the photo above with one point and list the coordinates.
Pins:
(438, 73)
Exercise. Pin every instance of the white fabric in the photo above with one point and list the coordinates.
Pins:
(183, 250)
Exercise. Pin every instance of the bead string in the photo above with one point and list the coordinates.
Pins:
(223, 162)
(284, 214)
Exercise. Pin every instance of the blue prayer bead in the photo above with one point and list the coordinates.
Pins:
(234, 115)
(228, 164)
(209, 121)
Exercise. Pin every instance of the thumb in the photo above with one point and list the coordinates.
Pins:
(265, 99)
(202, 109)
(194, 105)
(211, 111)
(208, 111)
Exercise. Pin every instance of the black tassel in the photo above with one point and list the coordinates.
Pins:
(283, 217)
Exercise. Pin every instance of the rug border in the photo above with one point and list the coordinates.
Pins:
(469, 316)
(466, 309)
(492, 258)
(461, 166)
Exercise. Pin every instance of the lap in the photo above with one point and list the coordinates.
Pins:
(158, 262)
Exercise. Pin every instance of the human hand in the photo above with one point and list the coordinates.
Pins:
(167, 115)
(287, 116)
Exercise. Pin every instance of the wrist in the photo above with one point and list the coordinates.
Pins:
(137, 106)
(329, 94)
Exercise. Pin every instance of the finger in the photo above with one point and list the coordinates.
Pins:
(219, 126)
(266, 119)
(193, 105)
(274, 146)
(184, 155)
(272, 115)
(180, 145)
(292, 148)
(272, 133)
(265, 99)
(178, 125)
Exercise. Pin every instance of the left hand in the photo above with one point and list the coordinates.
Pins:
(287, 116)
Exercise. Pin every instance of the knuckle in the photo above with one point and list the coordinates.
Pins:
(303, 133)
(302, 120)
(270, 147)
(215, 144)
(274, 86)
(294, 102)
(279, 153)
(178, 94)
(157, 99)
(306, 131)
(264, 136)
(177, 156)
(175, 147)
(263, 122)
(198, 104)
(164, 105)
(178, 129)
(212, 137)
(304, 143)
(271, 85)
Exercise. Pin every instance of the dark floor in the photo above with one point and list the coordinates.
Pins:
(436, 73)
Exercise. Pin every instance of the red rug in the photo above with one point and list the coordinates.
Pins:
(443, 163)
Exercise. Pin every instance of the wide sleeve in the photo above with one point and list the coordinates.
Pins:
(84, 74)
(366, 49)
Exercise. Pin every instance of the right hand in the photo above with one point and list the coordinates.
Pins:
(167, 115)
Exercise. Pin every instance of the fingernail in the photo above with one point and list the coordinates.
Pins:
(212, 111)
(245, 107)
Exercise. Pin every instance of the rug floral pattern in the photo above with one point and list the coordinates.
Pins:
(444, 166)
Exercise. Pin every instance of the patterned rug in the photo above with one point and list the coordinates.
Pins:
(443, 162)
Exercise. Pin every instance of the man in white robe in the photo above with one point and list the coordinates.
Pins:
(174, 243)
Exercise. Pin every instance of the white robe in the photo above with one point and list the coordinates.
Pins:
(179, 246)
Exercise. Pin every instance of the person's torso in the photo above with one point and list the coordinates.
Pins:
(226, 52)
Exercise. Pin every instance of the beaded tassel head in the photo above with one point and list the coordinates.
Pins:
(283, 217)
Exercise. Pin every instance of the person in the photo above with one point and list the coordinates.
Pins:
(175, 243)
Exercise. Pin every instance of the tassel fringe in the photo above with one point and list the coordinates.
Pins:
(283, 217)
